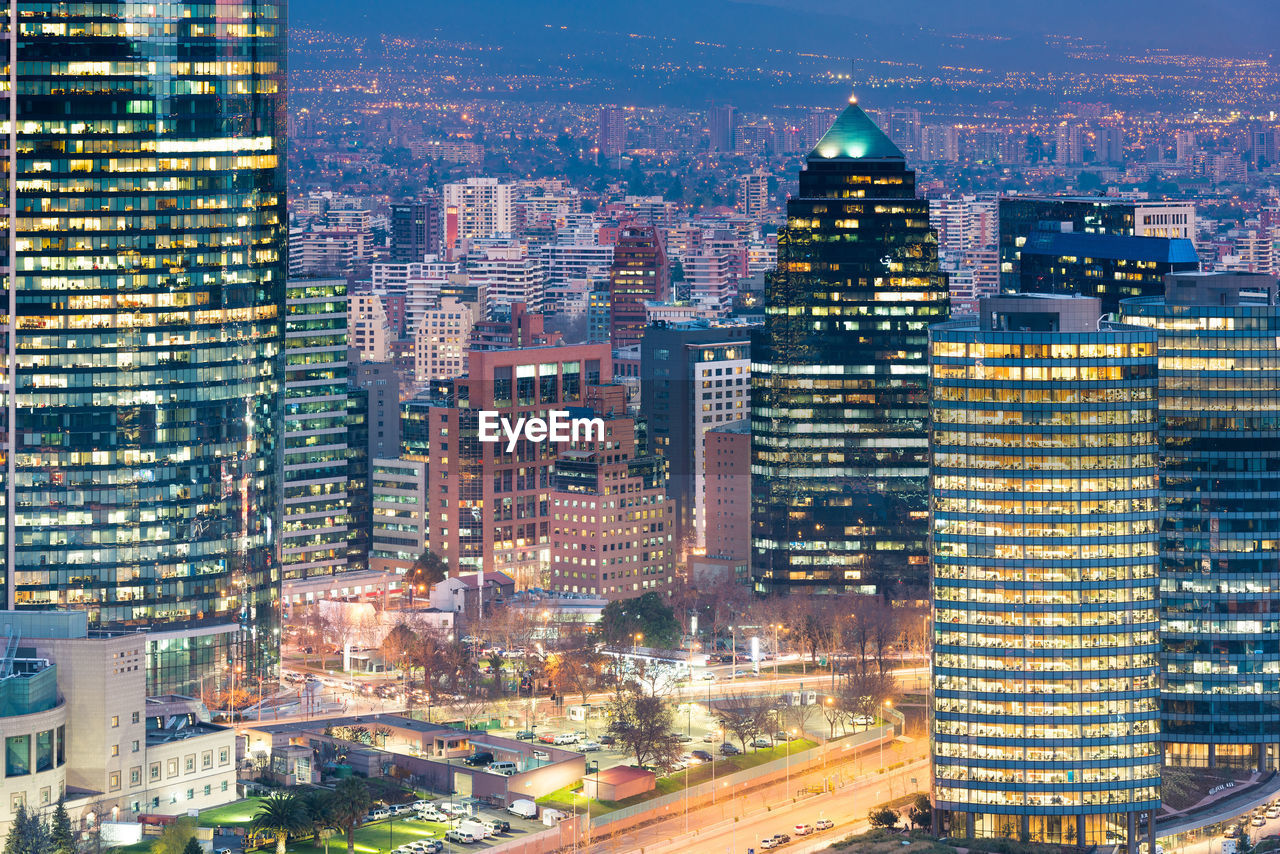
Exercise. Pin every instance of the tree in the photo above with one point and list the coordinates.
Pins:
(921, 812)
(425, 572)
(28, 834)
(348, 807)
(745, 715)
(647, 615)
(173, 839)
(882, 817)
(316, 804)
(281, 814)
(397, 643)
(642, 725)
(192, 847)
(60, 833)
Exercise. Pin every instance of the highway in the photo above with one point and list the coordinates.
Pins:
(742, 822)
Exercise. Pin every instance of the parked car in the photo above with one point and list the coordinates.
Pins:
(566, 738)
(768, 842)
(523, 808)
(506, 769)
(590, 747)
(451, 808)
(1273, 812)
(709, 737)
(497, 825)
(782, 838)
(378, 814)
(525, 735)
(762, 741)
(709, 676)
(781, 736)
(681, 737)
(547, 738)
(1258, 821)
(479, 759)
(803, 829)
(459, 836)
(702, 755)
(430, 813)
(824, 824)
(728, 749)
(608, 740)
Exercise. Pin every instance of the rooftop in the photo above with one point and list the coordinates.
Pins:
(1112, 246)
(854, 136)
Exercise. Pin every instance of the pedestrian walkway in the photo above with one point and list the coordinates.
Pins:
(1219, 808)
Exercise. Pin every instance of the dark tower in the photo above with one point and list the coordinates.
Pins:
(839, 399)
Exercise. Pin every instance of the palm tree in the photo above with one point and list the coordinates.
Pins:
(348, 806)
(281, 813)
(316, 804)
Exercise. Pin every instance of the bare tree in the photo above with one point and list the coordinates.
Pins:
(642, 725)
(744, 715)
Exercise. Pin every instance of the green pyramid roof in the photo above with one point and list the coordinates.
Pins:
(855, 137)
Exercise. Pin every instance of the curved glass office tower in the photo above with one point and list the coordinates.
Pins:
(147, 279)
(1044, 517)
(1220, 544)
(839, 452)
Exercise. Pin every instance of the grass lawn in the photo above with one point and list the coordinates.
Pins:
(237, 814)
(376, 838)
(143, 847)
(568, 800)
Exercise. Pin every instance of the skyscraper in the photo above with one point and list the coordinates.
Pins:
(639, 273)
(1045, 517)
(146, 274)
(722, 122)
(838, 404)
(415, 229)
(611, 133)
(1220, 584)
(477, 208)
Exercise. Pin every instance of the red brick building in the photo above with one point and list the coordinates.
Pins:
(639, 273)
(611, 527)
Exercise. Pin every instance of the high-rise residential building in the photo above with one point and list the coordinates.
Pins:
(441, 341)
(415, 229)
(509, 274)
(816, 124)
(611, 531)
(599, 313)
(1069, 144)
(1045, 517)
(694, 377)
(381, 382)
(1185, 146)
(369, 327)
(475, 209)
(838, 405)
(639, 273)
(710, 280)
(493, 512)
(1220, 587)
(611, 132)
(1021, 216)
(316, 522)
(146, 370)
(1107, 266)
(726, 497)
(516, 329)
(722, 125)
(753, 195)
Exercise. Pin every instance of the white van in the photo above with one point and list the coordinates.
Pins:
(506, 769)
(476, 829)
(524, 808)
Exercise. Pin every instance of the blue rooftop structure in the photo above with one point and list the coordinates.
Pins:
(1155, 249)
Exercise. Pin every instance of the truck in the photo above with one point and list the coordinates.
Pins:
(523, 808)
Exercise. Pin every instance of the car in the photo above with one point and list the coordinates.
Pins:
(762, 741)
(525, 735)
(864, 720)
(741, 673)
(541, 754)
(479, 759)
(590, 746)
(681, 737)
(702, 755)
(432, 814)
(709, 676)
(566, 738)
(548, 738)
(497, 825)
(728, 749)
(380, 813)
(400, 809)
(769, 842)
(608, 740)
(780, 736)
(824, 824)
(1258, 821)
(782, 838)
(803, 829)
(451, 808)
(459, 836)
(710, 737)
(1273, 812)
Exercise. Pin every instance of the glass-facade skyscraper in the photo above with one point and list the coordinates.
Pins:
(145, 271)
(1220, 541)
(1045, 521)
(839, 457)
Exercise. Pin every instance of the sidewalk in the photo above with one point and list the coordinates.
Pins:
(1218, 809)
